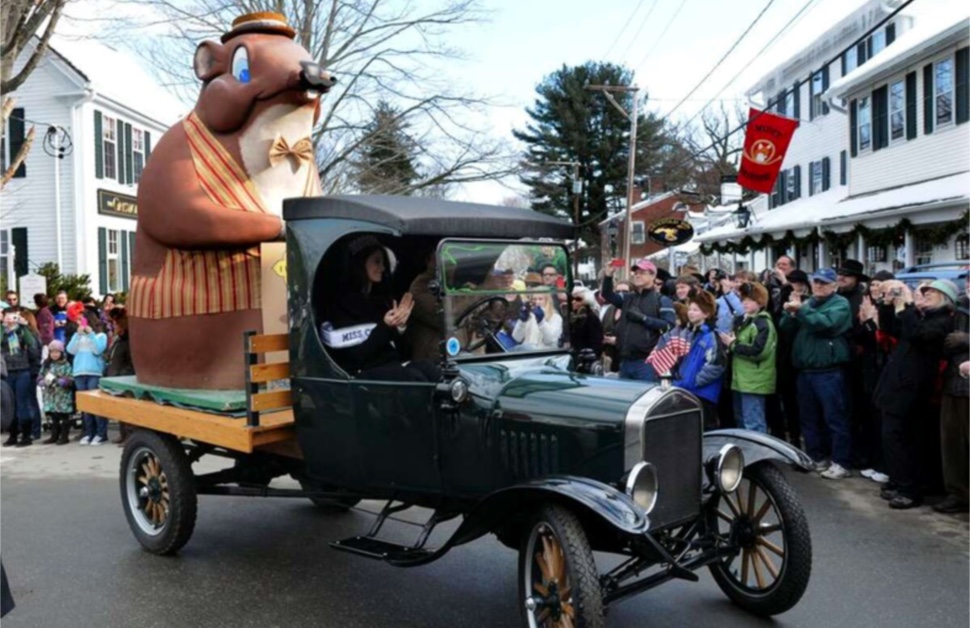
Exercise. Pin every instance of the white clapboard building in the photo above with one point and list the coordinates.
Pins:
(871, 173)
(80, 210)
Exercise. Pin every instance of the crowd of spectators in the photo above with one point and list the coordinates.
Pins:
(50, 352)
(866, 374)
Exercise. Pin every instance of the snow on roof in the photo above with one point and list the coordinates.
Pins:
(933, 29)
(826, 210)
(687, 247)
(117, 75)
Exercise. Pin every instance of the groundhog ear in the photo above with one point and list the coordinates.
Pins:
(210, 60)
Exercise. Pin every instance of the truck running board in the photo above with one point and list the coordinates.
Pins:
(369, 547)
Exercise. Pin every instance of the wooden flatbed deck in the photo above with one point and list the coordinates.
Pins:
(275, 432)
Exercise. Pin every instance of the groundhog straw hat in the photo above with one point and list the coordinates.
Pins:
(260, 22)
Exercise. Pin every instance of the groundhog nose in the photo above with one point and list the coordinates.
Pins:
(314, 78)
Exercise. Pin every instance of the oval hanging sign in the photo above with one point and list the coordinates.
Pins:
(670, 231)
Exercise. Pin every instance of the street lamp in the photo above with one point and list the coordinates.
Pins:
(742, 216)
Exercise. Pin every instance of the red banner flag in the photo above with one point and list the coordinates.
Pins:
(765, 143)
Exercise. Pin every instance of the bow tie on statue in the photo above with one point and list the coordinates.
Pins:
(301, 152)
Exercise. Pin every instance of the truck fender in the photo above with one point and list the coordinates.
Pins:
(756, 447)
(593, 502)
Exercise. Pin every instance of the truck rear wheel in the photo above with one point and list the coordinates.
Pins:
(158, 491)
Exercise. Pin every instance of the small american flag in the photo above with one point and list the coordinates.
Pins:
(663, 359)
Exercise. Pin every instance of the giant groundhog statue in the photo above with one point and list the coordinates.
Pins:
(212, 191)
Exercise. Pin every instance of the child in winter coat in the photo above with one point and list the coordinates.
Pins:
(88, 346)
(753, 344)
(702, 370)
(57, 381)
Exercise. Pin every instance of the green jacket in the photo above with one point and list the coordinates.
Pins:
(820, 333)
(753, 361)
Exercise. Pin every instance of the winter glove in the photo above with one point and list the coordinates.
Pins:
(955, 340)
(524, 313)
(540, 314)
(64, 382)
(634, 316)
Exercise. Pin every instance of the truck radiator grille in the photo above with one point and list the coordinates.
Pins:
(527, 454)
(672, 443)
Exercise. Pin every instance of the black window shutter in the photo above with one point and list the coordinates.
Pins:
(811, 177)
(148, 145)
(825, 86)
(854, 127)
(811, 98)
(17, 134)
(826, 173)
(869, 47)
(911, 105)
(843, 166)
(781, 103)
(880, 118)
(120, 145)
(797, 173)
(18, 238)
(844, 65)
(796, 90)
(928, 99)
(890, 33)
(98, 147)
(860, 53)
(123, 236)
(103, 260)
(129, 159)
(131, 248)
(962, 80)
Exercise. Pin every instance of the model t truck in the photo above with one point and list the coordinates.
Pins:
(522, 441)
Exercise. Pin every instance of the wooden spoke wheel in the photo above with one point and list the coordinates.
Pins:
(764, 520)
(158, 491)
(559, 582)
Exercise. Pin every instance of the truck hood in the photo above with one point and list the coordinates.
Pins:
(537, 388)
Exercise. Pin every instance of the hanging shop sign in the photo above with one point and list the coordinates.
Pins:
(670, 231)
(766, 141)
(114, 204)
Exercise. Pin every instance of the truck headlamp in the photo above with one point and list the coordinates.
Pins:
(642, 487)
(728, 468)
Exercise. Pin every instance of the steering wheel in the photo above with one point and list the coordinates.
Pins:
(487, 328)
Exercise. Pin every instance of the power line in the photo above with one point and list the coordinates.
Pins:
(623, 30)
(662, 34)
(801, 13)
(723, 58)
(800, 82)
(643, 23)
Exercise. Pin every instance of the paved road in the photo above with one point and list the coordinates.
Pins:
(259, 562)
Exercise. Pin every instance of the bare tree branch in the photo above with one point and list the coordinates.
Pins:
(21, 20)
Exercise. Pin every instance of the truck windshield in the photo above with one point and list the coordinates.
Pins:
(504, 296)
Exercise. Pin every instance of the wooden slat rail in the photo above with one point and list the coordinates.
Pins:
(257, 401)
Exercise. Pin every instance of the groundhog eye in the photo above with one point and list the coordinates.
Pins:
(240, 64)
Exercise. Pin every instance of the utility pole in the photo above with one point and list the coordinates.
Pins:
(607, 91)
(577, 189)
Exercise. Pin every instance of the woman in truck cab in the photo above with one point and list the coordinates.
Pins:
(364, 328)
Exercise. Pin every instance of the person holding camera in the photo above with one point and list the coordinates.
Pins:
(646, 315)
(88, 346)
(954, 410)
(539, 325)
(908, 380)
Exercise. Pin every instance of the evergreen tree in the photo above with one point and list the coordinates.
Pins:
(385, 160)
(571, 123)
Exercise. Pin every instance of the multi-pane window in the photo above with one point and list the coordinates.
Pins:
(114, 262)
(110, 147)
(924, 252)
(865, 123)
(138, 152)
(639, 235)
(815, 177)
(962, 246)
(818, 86)
(876, 254)
(944, 91)
(897, 110)
(878, 41)
(790, 103)
(851, 59)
